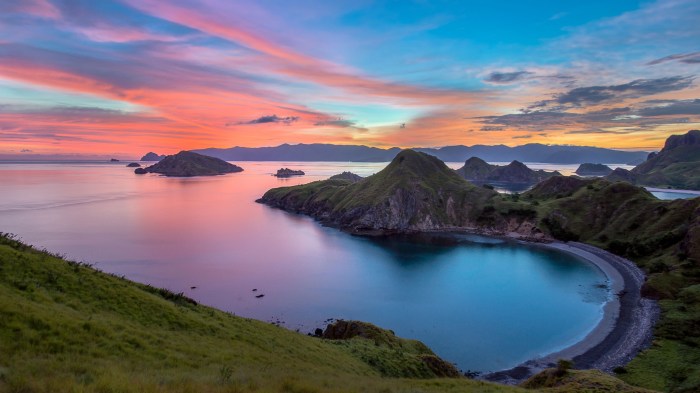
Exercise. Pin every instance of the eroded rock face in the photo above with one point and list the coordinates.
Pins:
(188, 164)
(691, 138)
(677, 165)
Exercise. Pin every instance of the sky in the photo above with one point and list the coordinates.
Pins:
(123, 77)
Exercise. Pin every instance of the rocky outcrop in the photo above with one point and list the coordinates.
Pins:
(188, 164)
(346, 330)
(589, 169)
(151, 156)
(677, 165)
(133, 165)
(286, 172)
(478, 170)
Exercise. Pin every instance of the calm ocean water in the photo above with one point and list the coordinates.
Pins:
(483, 304)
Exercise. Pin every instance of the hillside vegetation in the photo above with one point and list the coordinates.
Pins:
(677, 165)
(417, 192)
(65, 326)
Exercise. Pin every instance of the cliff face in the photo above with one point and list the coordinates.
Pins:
(677, 165)
(415, 192)
(188, 164)
(478, 170)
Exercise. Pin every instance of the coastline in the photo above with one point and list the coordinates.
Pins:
(625, 329)
(628, 319)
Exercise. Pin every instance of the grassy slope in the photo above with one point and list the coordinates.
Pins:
(67, 327)
(415, 184)
(663, 237)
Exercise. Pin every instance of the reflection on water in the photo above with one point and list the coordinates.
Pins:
(482, 303)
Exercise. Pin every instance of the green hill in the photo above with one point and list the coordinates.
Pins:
(677, 165)
(415, 192)
(65, 326)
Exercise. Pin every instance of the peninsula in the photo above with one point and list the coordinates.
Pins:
(418, 192)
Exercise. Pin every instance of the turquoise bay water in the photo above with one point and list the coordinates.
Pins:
(481, 303)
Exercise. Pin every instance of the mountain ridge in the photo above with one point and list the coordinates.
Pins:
(533, 152)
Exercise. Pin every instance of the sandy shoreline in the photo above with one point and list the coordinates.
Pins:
(626, 327)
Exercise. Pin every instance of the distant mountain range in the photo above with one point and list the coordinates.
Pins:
(534, 152)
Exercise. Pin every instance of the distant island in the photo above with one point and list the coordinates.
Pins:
(151, 156)
(534, 152)
(188, 164)
(477, 170)
(589, 169)
(133, 165)
(286, 172)
(113, 160)
(677, 165)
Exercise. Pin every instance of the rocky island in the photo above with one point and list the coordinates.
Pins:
(133, 165)
(188, 164)
(589, 169)
(677, 165)
(286, 172)
(477, 170)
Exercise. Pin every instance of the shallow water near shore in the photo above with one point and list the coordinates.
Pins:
(482, 303)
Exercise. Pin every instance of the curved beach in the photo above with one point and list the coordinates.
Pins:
(626, 327)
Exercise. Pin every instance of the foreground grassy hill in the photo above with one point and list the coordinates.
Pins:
(66, 327)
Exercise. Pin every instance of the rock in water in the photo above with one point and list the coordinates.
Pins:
(188, 164)
(286, 172)
(134, 165)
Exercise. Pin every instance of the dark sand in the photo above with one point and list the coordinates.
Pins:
(626, 327)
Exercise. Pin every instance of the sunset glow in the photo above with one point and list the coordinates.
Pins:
(123, 77)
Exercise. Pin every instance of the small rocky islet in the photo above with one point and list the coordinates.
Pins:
(286, 172)
(189, 164)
